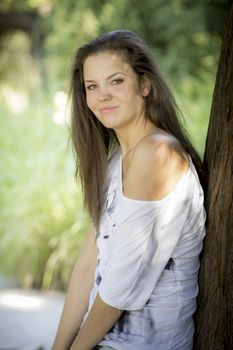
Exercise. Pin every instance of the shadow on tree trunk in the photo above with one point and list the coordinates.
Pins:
(214, 317)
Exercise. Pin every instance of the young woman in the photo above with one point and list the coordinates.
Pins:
(134, 286)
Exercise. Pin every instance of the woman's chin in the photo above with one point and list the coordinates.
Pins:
(110, 124)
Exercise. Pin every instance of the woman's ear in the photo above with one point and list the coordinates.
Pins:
(145, 86)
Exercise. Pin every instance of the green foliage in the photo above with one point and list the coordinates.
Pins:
(15, 49)
(22, 5)
(42, 223)
(71, 25)
(194, 97)
(179, 32)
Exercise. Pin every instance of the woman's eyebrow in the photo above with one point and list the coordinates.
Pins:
(109, 77)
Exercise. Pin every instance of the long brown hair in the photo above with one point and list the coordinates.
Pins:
(92, 141)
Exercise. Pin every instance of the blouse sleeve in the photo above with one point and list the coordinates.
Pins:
(141, 246)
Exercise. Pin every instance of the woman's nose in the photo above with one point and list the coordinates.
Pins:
(104, 93)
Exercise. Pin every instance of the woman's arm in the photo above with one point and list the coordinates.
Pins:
(77, 297)
(101, 318)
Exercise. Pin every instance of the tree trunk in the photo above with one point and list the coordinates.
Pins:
(214, 317)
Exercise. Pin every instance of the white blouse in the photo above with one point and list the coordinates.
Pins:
(148, 261)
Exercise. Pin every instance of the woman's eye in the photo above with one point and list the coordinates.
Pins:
(91, 87)
(117, 81)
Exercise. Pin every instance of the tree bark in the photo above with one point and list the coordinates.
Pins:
(214, 317)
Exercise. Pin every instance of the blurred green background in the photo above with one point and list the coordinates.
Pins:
(42, 222)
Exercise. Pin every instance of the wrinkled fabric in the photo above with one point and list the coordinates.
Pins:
(136, 242)
(99, 347)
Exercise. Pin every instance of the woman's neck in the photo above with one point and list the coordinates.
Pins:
(130, 137)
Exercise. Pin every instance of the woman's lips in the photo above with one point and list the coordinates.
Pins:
(108, 109)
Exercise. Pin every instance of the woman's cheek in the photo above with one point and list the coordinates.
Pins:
(90, 102)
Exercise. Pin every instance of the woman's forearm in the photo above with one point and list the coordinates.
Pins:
(77, 297)
(100, 319)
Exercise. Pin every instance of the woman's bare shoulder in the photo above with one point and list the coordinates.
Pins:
(159, 162)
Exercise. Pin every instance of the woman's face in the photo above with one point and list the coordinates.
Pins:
(112, 90)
